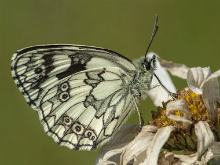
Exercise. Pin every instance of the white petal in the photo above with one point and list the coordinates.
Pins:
(125, 133)
(210, 95)
(167, 158)
(218, 98)
(178, 70)
(213, 151)
(183, 163)
(108, 151)
(159, 140)
(196, 78)
(181, 106)
(107, 163)
(158, 94)
(205, 139)
(139, 144)
(139, 159)
(117, 144)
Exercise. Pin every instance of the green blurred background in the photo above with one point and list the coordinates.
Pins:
(188, 33)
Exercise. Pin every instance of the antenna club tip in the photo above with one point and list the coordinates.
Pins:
(156, 17)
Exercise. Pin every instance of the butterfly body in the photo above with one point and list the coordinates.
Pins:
(82, 94)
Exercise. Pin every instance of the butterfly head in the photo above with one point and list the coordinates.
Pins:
(150, 64)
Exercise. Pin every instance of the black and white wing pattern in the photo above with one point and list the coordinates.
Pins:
(81, 93)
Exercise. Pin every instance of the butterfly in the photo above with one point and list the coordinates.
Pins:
(82, 94)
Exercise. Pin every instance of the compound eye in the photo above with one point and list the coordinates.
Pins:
(147, 65)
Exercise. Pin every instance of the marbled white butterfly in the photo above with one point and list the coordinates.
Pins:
(82, 94)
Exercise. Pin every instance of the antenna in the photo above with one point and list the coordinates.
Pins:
(153, 35)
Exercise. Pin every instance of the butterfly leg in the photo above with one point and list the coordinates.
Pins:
(154, 86)
(173, 95)
(139, 114)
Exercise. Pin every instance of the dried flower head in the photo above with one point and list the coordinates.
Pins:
(184, 138)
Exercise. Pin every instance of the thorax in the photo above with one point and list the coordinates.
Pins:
(142, 79)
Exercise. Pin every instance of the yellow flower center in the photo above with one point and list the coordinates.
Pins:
(195, 106)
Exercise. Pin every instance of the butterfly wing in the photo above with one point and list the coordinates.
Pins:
(80, 93)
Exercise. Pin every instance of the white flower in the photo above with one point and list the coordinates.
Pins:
(201, 81)
(145, 148)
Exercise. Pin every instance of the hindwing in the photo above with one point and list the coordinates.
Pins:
(81, 93)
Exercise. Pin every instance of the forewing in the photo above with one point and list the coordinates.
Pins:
(80, 93)
(33, 66)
